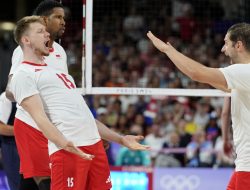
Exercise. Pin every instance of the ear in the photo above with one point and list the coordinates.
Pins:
(45, 20)
(25, 40)
(239, 45)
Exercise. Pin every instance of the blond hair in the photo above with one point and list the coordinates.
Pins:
(23, 25)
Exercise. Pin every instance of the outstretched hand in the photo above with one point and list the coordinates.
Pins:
(70, 147)
(159, 44)
(132, 142)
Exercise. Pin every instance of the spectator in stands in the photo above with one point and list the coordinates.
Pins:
(212, 129)
(128, 157)
(155, 140)
(168, 157)
(200, 151)
(201, 116)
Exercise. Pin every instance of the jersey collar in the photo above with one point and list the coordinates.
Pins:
(34, 64)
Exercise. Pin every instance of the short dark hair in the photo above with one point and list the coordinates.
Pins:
(23, 25)
(46, 7)
(240, 32)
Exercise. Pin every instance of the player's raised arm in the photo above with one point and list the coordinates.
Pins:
(191, 68)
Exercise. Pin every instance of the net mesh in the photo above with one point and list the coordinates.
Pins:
(122, 56)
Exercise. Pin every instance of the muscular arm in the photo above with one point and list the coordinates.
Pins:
(129, 141)
(108, 134)
(191, 68)
(225, 124)
(225, 118)
(33, 105)
(6, 130)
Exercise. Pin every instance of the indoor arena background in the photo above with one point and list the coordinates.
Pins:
(124, 57)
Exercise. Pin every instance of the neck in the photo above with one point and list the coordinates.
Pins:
(33, 57)
(244, 58)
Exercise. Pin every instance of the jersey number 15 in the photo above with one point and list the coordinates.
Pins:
(66, 81)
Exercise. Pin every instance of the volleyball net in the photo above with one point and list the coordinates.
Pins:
(117, 57)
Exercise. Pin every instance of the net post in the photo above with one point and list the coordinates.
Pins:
(88, 46)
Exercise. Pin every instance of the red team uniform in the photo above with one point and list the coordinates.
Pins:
(33, 149)
(68, 111)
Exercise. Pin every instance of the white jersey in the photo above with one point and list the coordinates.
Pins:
(238, 80)
(63, 104)
(5, 108)
(57, 59)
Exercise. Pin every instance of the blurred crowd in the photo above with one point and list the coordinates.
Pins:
(182, 131)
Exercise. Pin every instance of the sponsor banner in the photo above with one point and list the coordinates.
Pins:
(191, 179)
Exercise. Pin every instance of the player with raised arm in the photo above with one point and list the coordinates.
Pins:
(235, 79)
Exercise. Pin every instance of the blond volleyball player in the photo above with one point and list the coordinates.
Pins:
(78, 159)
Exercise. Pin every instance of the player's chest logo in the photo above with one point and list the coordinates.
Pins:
(37, 70)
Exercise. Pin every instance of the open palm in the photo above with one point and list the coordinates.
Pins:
(132, 142)
(159, 44)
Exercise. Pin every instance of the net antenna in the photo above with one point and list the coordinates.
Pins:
(87, 87)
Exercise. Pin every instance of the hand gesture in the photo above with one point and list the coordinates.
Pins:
(132, 142)
(160, 45)
(70, 147)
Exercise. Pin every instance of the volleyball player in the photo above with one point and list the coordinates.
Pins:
(39, 89)
(34, 83)
(9, 153)
(49, 9)
(36, 163)
(235, 79)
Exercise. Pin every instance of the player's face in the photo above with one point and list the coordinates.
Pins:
(56, 23)
(229, 49)
(38, 39)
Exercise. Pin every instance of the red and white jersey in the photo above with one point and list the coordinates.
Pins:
(63, 104)
(57, 59)
(5, 108)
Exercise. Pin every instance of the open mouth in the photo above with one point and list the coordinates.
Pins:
(47, 44)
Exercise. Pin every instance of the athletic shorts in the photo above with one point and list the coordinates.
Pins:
(70, 172)
(239, 181)
(32, 147)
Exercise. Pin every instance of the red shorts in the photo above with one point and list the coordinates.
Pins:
(70, 172)
(32, 148)
(239, 181)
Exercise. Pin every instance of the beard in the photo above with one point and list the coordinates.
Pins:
(57, 35)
